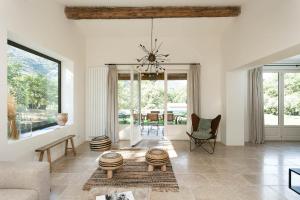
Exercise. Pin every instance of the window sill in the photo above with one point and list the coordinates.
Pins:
(33, 134)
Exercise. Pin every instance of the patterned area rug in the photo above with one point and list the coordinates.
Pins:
(134, 173)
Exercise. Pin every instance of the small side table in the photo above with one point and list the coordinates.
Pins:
(157, 158)
(110, 161)
(294, 187)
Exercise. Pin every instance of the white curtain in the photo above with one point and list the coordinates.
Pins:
(256, 106)
(194, 101)
(112, 104)
(96, 101)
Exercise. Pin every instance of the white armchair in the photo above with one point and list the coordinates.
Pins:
(24, 181)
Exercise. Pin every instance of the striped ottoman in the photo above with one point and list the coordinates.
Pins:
(157, 157)
(101, 143)
(110, 161)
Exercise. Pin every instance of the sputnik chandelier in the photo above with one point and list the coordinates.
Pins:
(151, 62)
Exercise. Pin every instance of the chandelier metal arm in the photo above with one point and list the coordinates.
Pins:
(151, 62)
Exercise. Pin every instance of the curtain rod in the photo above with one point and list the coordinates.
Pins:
(283, 64)
(159, 63)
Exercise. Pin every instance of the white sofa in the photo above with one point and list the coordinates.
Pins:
(24, 181)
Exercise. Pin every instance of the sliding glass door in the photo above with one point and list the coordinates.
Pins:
(281, 103)
(129, 102)
(152, 106)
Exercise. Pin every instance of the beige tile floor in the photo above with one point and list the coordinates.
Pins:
(234, 173)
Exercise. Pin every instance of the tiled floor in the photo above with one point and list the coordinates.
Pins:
(251, 172)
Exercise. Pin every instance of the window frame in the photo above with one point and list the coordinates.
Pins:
(37, 53)
(281, 71)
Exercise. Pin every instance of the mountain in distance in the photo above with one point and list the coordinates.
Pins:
(33, 64)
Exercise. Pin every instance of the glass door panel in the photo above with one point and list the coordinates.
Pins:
(152, 104)
(292, 99)
(124, 106)
(271, 96)
(135, 133)
(177, 99)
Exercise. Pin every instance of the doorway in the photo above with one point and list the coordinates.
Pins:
(152, 105)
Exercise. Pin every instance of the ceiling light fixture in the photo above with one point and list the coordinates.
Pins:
(151, 62)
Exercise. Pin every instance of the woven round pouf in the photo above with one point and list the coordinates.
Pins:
(110, 161)
(101, 143)
(157, 157)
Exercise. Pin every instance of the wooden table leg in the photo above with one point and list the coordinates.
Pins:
(164, 168)
(41, 156)
(109, 173)
(150, 168)
(49, 159)
(73, 147)
(66, 147)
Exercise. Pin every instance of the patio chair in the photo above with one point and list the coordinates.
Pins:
(204, 132)
(153, 120)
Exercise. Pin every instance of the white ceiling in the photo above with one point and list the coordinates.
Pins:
(133, 3)
(162, 27)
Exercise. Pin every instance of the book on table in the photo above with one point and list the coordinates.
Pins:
(117, 196)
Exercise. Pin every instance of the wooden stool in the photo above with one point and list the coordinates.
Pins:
(101, 143)
(110, 161)
(157, 158)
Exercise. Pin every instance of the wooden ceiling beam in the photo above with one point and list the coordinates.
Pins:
(77, 13)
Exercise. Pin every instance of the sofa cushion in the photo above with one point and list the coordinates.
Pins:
(18, 194)
(204, 124)
(202, 134)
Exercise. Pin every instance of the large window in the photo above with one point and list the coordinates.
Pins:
(282, 97)
(34, 82)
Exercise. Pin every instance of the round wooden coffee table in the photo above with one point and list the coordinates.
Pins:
(157, 158)
(101, 143)
(110, 161)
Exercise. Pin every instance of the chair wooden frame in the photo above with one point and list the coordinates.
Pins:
(201, 142)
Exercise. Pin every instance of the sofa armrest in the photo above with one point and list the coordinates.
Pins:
(27, 175)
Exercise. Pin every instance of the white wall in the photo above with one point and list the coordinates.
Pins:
(187, 40)
(42, 25)
(266, 31)
(235, 102)
(265, 28)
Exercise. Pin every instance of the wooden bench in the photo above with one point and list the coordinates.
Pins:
(47, 148)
